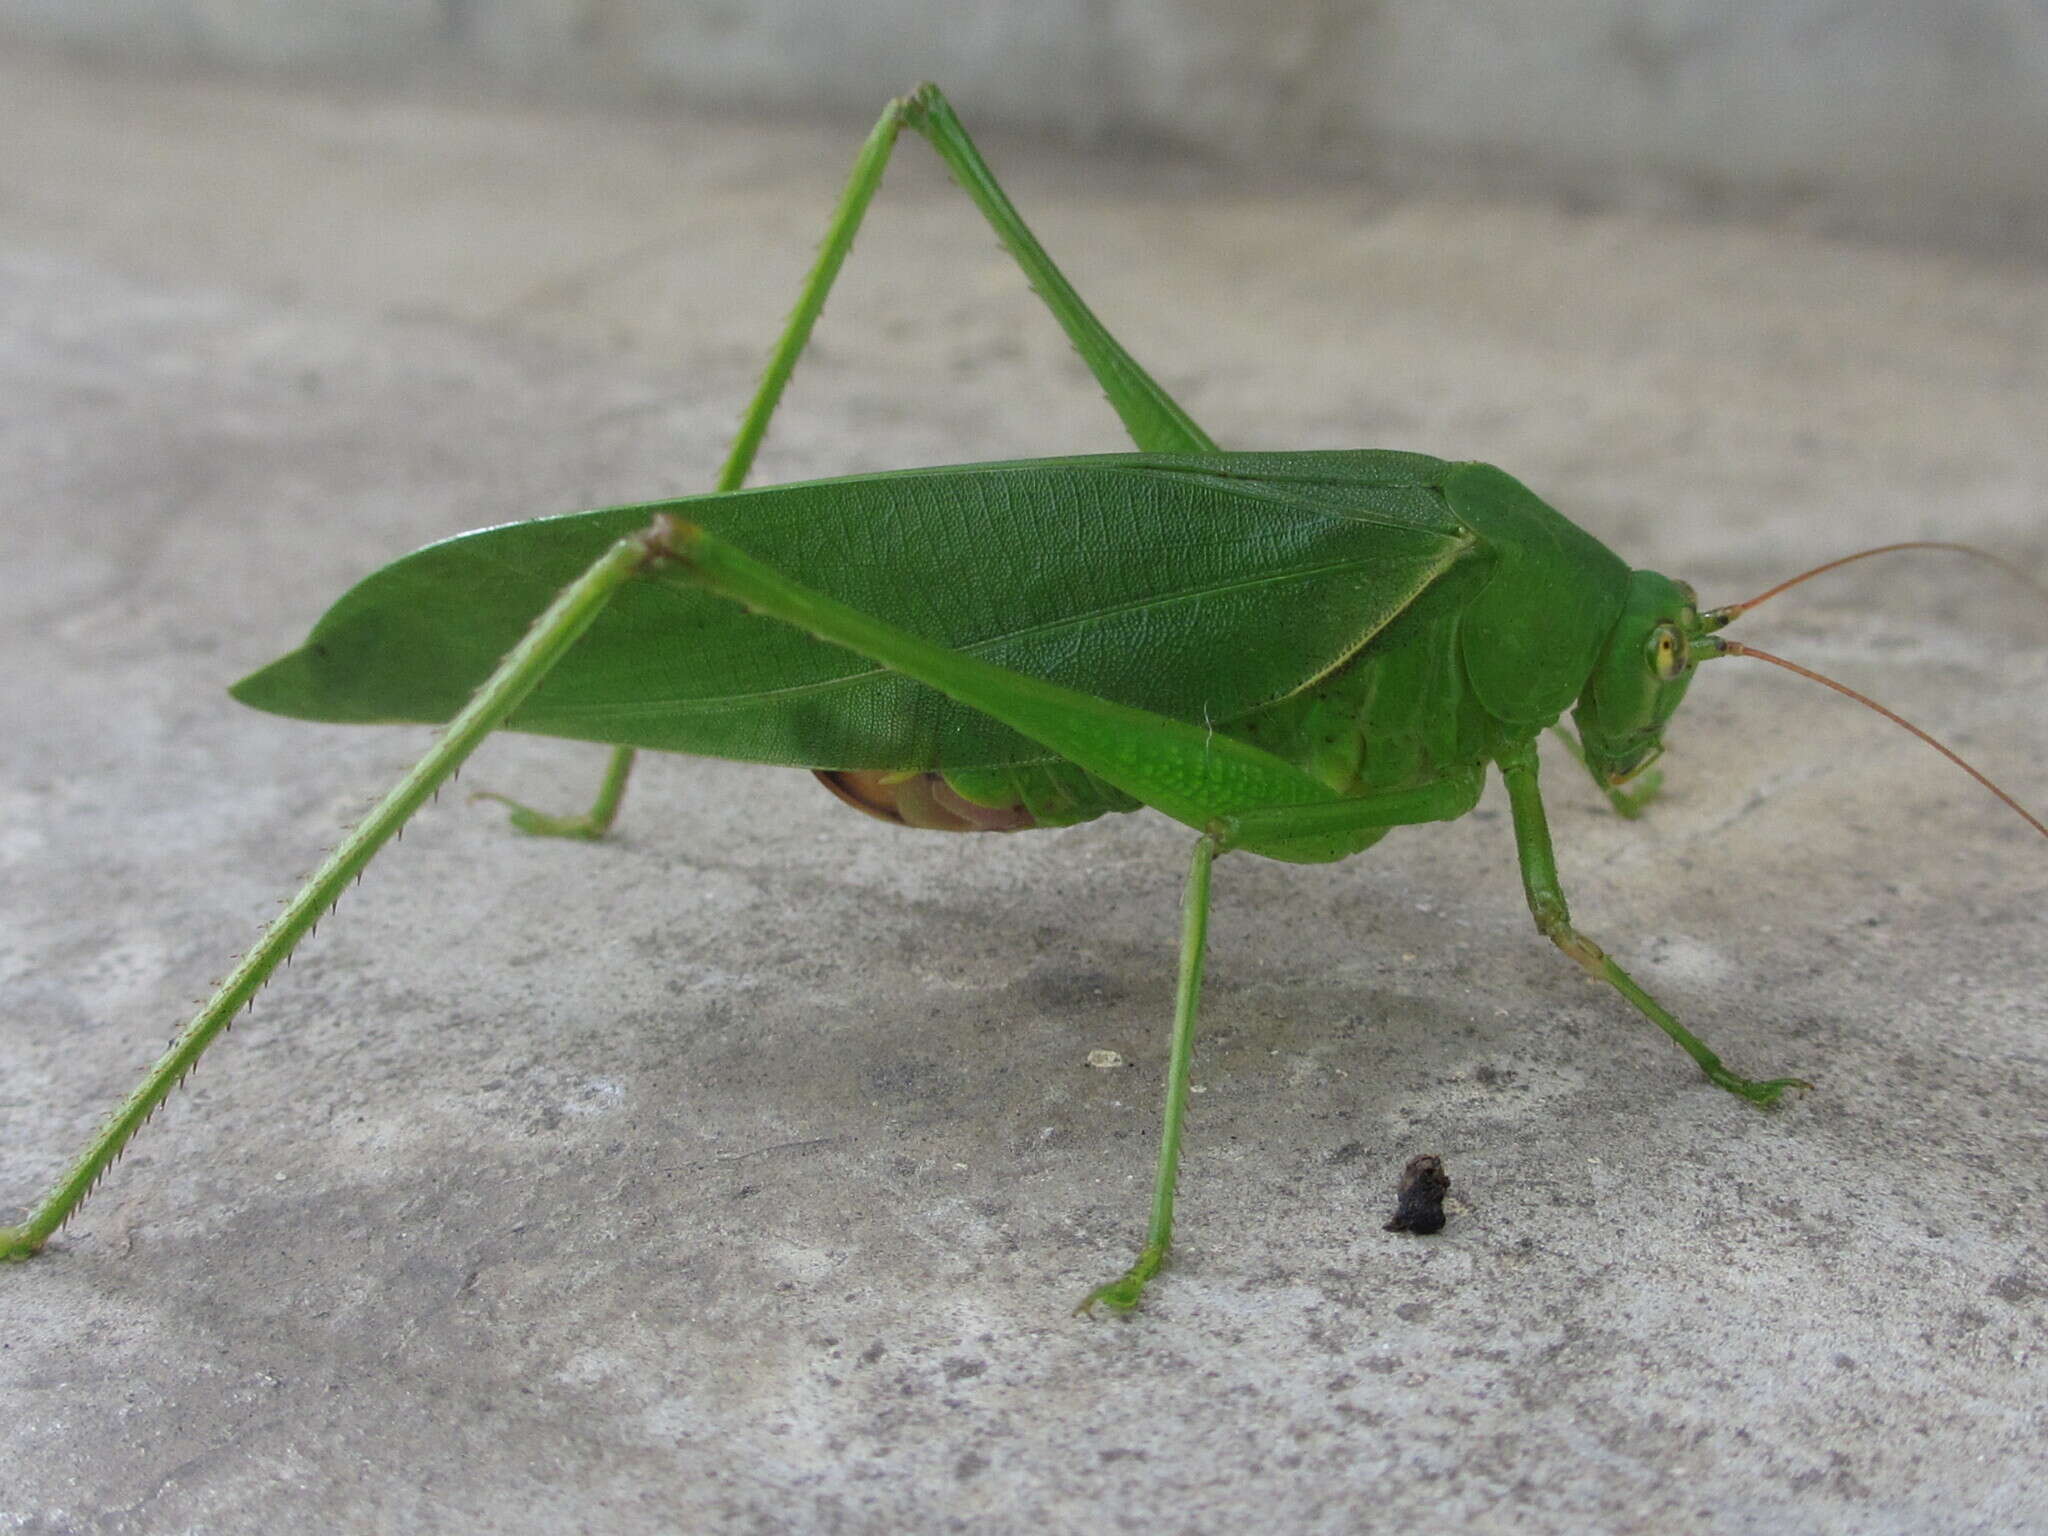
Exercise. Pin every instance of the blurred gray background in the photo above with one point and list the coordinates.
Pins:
(738, 1174)
(1901, 117)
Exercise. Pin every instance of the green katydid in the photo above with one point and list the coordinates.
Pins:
(1289, 653)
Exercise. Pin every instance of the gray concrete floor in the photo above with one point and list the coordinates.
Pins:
(739, 1174)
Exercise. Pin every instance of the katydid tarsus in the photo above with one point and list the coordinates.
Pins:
(1289, 653)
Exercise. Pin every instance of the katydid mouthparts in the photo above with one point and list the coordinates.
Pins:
(1290, 654)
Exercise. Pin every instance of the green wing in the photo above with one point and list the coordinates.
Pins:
(1197, 586)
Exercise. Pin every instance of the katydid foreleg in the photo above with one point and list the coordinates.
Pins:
(1553, 919)
(1155, 421)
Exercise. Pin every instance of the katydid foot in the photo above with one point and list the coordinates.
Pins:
(593, 824)
(1764, 1093)
(534, 823)
(15, 1245)
(1122, 1294)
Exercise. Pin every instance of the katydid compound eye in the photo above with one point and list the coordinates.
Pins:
(1668, 653)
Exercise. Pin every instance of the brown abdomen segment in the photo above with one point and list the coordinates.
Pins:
(922, 800)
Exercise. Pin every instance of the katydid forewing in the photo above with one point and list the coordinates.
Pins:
(1372, 630)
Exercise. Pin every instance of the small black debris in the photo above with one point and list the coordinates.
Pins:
(1419, 1199)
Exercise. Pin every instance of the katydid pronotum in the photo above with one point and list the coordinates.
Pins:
(1343, 644)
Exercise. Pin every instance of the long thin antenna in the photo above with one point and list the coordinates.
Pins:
(1720, 616)
(1737, 648)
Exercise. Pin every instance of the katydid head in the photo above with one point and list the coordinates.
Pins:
(1641, 676)
(1662, 637)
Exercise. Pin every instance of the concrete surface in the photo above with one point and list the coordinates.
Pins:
(1894, 116)
(739, 1174)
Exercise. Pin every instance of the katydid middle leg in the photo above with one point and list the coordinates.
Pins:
(1155, 421)
(1235, 794)
(1279, 827)
(1553, 918)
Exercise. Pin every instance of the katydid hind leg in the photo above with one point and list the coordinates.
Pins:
(753, 428)
(1553, 918)
(1153, 418)
(544, 644)
(1155, 421)
(1206, 779)
(861, 186)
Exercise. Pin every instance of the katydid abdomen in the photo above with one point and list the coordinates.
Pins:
(1399, 714)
